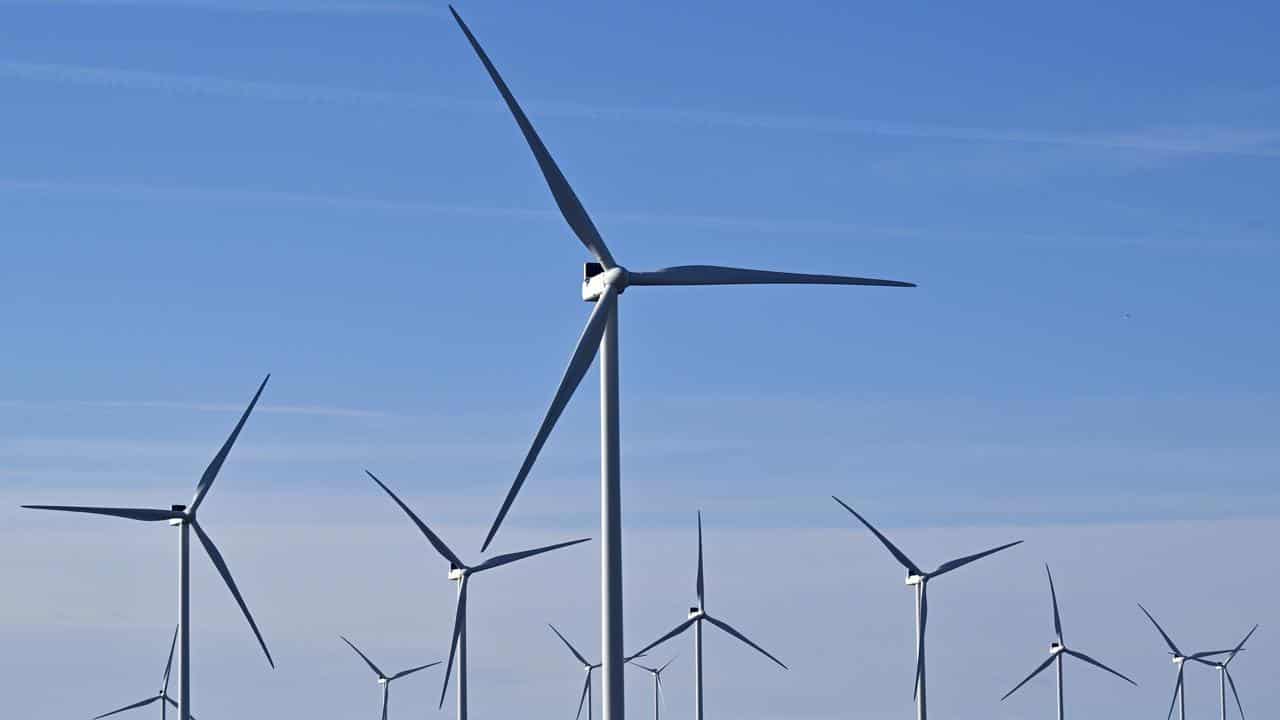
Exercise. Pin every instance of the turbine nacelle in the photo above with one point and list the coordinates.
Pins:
(1056, 648)
(915, 579)
(178, 509)
(595, 278)
(695, 612)
(457, 573)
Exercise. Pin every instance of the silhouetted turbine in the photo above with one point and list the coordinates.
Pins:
(1057, 650)
(184, 517)
(919, 579)
(384, 679)
(460, 573)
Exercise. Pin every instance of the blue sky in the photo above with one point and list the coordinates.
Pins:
(193, 194)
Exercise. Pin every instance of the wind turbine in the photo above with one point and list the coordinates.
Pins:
(1224, 675)
(919, 579)
(384, 679)
(184, 518)
(1180, 659)
(657, 685)
(587, 668)
(603, 282)
(163, 696)
(1057, 650)
(460, 573)
(698, 615)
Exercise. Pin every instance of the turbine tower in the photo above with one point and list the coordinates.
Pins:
(384, 679)
(656, 673)
(919, 579)
(461, 573)
(1180, 659)
(184, 518)
(163, 696)
(587, 668)
(1224, 675)
(604, 280)
(698, 615)
(1057, 650)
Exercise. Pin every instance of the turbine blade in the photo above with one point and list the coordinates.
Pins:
(1057, 619)
(500, 560)
(583, 355)
(1197, 656)
(901, 556)
(364, 657)
(1168, 641)
(718, 275)
(142, 514)
(1231, 681)
(1241, 645)
(460, 617)
(221, 565)
(1095, 663)
(432, 538)
(586, 685)
(211, 472)
(725, 627)
(678, 629)
(413, 670)
(570, 207)
(1176, 688)
(702, 600)
(950, 565)
(1039, 669)
(168, 666)
(662, 698)
(140, 703)
(386, 693)
(568, 644)
(664, 665)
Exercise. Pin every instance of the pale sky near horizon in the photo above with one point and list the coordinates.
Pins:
(196, 193)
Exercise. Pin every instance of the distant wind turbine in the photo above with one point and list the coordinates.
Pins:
(604, 281)
(698, 615)
(1180, 659)
(1057, 650)
(1224, 675)
(920, 579)
(384, 679)
(163, 696)
(656, 673)
(460, 573)
(587, 667)
(184, 517)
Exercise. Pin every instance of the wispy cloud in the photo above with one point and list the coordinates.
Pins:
(281, 7)
(1256, 142)
(314, 410)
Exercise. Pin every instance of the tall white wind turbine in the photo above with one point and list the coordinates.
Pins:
(161, 697)
(1224, 675)
(604, 281)
(698, 615)
(1057, 650)
(1180, 659)
(461, 573)
(656, 674)
(919, 579)
(587, 668)
(184, 518)
(384, 679)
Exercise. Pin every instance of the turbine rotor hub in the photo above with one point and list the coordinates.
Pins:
(595, 278)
